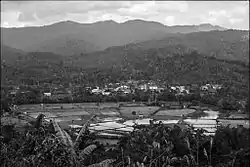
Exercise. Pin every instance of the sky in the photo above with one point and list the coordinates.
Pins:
(228, 14)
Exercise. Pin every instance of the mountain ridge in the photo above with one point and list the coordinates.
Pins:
(112, 21)
(102, 34)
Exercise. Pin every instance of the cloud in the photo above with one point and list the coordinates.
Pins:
(27, 17)
(229, 14)
(170, 20)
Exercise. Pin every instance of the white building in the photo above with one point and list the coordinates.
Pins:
(153, 87)
(143, 87)
(47, 94)
(96, 90)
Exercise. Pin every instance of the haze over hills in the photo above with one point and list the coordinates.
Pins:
(227, 45)
(181, 58)
(9, 54)
(107, 51)
(69, 38)
(64, 45)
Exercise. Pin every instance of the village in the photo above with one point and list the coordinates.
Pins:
(60, 92)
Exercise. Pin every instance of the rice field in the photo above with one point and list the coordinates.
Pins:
(145, 111)
(174, 112)
(110, 114)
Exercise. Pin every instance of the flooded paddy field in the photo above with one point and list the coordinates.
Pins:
(111, 117)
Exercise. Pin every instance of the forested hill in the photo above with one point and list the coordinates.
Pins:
(184, 68)
(181, 58)
(226, 45)
(70, 38)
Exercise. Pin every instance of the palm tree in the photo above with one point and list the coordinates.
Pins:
(73, 146)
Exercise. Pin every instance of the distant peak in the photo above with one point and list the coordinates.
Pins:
(67, 22)
(210, 25)
(71, 22)
(135, 20)
(206, 25)
(107, 21)
(138, 21)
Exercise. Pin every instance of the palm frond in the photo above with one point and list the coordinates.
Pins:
(188, 144)
(107, 162)
(82, 131)
(211, 142)
(64, 137)
(129, 160)
(59, 132)
(205, 153)
(104, 163)
(88, 150)
(69, 140)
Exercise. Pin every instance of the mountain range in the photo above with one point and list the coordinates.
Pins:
(70, 38)
(74, 52)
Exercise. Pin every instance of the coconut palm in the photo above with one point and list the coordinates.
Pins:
(73, 146)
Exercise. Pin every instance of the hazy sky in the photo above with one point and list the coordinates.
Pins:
(229, 14)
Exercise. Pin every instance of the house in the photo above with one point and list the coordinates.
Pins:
(124, 87)
(106, 92)
(96, 90)
(47, 94)
(12, 92)
(173, 88)
(204, 87)
(216, 86)
(153, 87)
(143, 87)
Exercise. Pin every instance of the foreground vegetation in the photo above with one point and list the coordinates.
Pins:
(155, 145)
